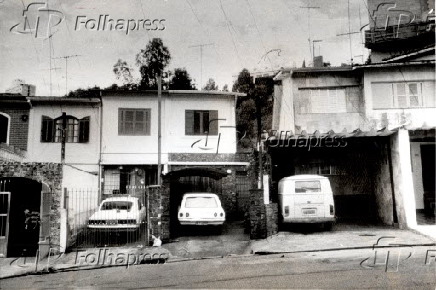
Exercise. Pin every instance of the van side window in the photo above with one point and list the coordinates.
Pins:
(307, 186)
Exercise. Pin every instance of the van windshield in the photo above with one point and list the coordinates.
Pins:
(307, 186)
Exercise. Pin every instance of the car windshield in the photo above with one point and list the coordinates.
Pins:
(200, 202)
(307, 186)
(118, 205)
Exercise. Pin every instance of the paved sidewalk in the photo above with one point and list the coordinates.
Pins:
(340, 238)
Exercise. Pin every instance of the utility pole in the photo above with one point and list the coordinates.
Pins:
(63, 136)
(308, 24)
(201, 59)
(159, 127)
(66, 57)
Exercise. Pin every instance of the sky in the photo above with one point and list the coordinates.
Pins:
(66, 51)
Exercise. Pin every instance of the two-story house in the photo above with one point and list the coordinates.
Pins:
(198, 130)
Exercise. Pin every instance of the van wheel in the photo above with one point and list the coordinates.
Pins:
(328, 226)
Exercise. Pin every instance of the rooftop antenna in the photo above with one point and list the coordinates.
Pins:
(66, 57)
(308, 24)
(201, 59)
(350, 33)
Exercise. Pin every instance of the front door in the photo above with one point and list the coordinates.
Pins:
(5, 200)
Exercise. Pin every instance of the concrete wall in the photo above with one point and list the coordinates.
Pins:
(143, 149)
(413, 117)
(402, 179)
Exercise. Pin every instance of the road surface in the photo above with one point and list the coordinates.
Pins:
(405, 268)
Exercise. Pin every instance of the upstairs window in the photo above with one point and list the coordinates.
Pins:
(4, 128)
(76, 130)
(328, 101)
(408, 95)
(201, 122)
(134, 122)
(397, 95)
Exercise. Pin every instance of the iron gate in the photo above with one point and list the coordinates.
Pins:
(112, 220)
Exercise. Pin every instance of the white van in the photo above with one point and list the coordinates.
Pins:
(306, 199)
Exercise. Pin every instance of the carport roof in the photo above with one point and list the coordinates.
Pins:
(196, 171)
(345, 134)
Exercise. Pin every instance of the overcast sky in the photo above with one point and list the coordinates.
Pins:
(241, 33)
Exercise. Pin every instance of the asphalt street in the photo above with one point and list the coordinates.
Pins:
(397, 268)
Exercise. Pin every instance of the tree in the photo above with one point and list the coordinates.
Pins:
(123, 72)
(210, 85)
(254, 111)
(225, 88)
(152, 61)
(93, 92)
(181, 80)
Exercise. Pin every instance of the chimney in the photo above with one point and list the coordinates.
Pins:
(318, 61)
(28, 90)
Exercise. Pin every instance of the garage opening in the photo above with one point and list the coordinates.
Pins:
(192, 180)
(357, 171)
(20, 204)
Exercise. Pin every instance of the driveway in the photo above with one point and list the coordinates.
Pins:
(200, 242)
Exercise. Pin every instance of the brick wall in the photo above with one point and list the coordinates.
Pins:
(47, 173)
(18, 128)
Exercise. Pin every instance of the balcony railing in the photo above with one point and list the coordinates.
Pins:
(395, 35)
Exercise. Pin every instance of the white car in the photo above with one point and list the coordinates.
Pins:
(121, 213)
(198, 208)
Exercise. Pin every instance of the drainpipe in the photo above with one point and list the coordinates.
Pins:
(100, 150)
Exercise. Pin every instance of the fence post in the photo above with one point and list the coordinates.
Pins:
(63, 243)
(147, 192)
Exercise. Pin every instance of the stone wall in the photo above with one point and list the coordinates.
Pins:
(46, 173)
(263, 217)
(159, 211)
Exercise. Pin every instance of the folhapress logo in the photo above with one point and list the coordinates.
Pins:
(38, 20)
(107, 23)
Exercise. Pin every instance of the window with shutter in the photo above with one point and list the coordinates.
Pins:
(84, 130)
(134, 122)
(47, 129)
(201, 122)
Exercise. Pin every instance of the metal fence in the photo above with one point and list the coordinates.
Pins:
(107, 220)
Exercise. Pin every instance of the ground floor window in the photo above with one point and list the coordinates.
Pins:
(127, 179)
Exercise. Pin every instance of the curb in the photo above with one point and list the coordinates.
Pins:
(340, 249)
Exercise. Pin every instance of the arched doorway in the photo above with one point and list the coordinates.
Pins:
(21, 201)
